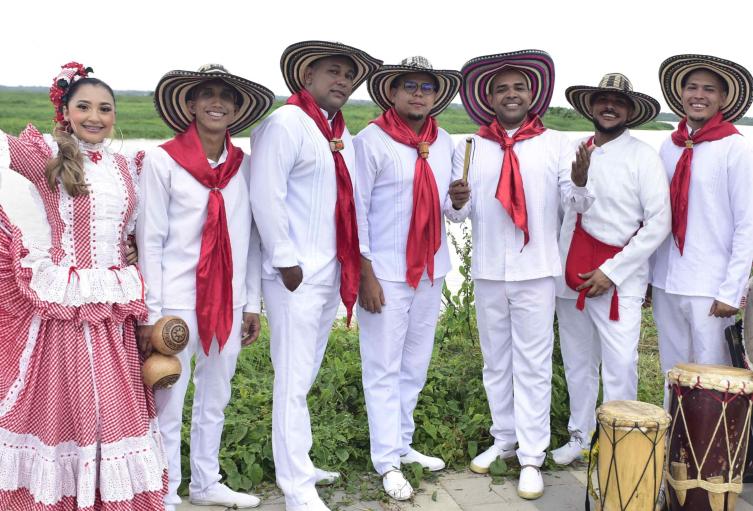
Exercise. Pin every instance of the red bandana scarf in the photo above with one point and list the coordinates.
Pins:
(214, 272)
(715, 128)
(510, 187)
(348, 250)
(424, 235)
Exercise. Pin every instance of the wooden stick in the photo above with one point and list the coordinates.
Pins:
(467, 161)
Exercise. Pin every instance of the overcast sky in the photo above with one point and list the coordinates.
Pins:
(131, 43)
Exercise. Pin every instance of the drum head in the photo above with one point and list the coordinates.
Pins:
(748, 325)
(714, 377)
(632, 413)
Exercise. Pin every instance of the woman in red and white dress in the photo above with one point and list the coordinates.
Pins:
(77, 426)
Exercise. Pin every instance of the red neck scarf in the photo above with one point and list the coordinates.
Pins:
(348, 250)
(510, 187)
(425, 233)
(214, 272)
(715, 128)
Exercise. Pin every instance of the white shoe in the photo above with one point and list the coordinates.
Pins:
(428, 462)
(325, 477)
(169, 507)
(316, 504)
(571, 451)
(530, 484)
(396, 485)
(480, 464)
(220, 495)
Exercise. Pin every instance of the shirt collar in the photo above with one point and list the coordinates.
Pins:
(222, 159)
(617, 142)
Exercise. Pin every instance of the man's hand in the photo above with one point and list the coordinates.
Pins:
(579, 174)
(132, 251)
(250, 328)
(459, 192)
(291, 277)
(144, 338)
(597, 281)
(722, 310)
(370, 294)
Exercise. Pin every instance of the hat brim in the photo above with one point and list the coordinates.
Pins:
(448, 85)
(739, 81)
(537, 66)
(172, 105)
(299, 56)
(645, 108)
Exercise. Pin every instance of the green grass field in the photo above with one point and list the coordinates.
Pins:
(138, 119)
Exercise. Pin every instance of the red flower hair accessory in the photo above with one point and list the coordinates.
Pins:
(71, 72)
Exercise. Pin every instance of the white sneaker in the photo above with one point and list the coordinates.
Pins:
(316, 504)
(325, 477)
(169, 507)
(220, 495)
(480, 464)
(571, 451)
(396, 485)
(428, 462)
(530, 484)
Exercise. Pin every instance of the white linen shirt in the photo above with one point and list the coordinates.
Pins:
(384, 199)
(718, 251)
(627, 180)
(545, 167)
(172, 212)
(294, 193)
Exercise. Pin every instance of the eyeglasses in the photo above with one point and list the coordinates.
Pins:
(411, 87)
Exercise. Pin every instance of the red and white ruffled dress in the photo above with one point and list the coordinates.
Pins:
(77, 425)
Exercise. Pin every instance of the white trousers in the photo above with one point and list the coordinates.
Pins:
(588, 338)
(300, 324)
(516, 333)
(396, 347)
(211, 378)
(686, 331)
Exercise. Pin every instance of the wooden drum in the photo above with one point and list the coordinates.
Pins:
(632, 439)
(708, 442)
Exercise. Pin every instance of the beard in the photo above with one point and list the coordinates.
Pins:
(617, 128)
(415, 117)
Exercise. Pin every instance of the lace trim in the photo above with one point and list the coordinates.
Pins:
(23, 365)
(51, 472)
(73, 287)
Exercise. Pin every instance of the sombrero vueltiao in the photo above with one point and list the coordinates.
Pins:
(536, 65)
(299, 56)
(448, 82)
(645, 108)
(171, 104)
(739, 81)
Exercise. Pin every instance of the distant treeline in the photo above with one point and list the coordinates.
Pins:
(137, 117)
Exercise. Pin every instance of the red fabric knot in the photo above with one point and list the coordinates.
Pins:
(510, 192)
(425, 231)
(715, 128)
(214, 272)
(71, 272)
(94, 156)
(346, 228)
(336, 145)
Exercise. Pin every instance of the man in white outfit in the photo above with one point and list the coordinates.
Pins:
(700, 271)
(200, 257)
(404, 182)
(605, 252)
(520, 173)
(302, 199)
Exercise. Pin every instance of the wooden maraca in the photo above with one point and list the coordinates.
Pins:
(169, 335)
(161, 371)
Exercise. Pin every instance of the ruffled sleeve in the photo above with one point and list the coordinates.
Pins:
(29, 153)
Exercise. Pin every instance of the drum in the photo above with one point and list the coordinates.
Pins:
(708, 441)
(169, 335)
(632, 439)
